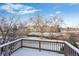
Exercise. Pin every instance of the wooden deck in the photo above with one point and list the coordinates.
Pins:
(34, 52)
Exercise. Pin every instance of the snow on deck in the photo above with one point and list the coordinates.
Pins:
(34, 52)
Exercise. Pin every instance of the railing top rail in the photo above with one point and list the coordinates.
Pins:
(39, 39)
(30, 39)
(71, 46)
(9, 43)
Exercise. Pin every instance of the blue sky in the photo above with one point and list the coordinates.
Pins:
(70, 11)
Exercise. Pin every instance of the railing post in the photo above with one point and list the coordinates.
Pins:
(21, 43)
(65, 49)
(39, 45)
(0, 51)
(6, 51)
(10, 49)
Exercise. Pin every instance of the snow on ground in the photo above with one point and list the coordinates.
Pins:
(51, 33)
(35, 33)
(45, 34)
(34, 52)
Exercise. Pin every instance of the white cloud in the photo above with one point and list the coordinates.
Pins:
(19, 8)
(58, 12)
(27, 12)
(73, 4)
(51, 15)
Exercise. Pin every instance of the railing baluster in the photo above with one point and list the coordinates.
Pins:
(21, 43)
(54, 46)
(58, 47)
(51, 46)
(39, 45)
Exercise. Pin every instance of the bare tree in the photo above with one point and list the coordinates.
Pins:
(8, 28)
(4, 29)
(39, 23)
(23, 29)
(9, 31)
(55, 23)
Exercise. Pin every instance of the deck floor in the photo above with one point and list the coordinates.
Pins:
(34, 52)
